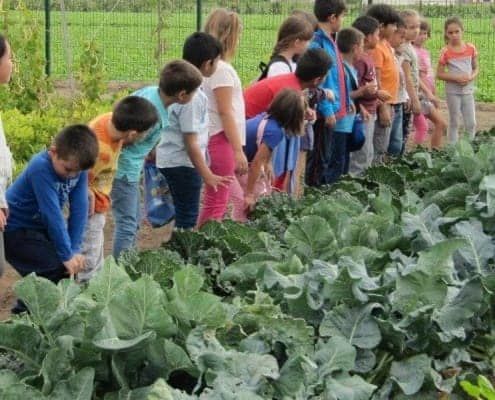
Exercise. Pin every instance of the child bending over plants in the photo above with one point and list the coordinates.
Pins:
(37, 237)
(129, 122)
(284, 118)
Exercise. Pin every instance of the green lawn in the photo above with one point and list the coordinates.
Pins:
(129, 42)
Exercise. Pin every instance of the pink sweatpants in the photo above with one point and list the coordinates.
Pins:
(222, 162)
(420, 128)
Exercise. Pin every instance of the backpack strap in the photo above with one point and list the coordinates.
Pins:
(261, 130)
(264, 68)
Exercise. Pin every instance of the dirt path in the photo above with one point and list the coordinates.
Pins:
(152, 238)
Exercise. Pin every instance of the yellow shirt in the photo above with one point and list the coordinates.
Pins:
(102, 174)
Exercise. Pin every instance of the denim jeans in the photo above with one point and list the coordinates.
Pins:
(185, 186)
(125, 209)
(339, 158)
(396, 133)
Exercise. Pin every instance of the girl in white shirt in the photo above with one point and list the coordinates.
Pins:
(227, 123)
(5, 155)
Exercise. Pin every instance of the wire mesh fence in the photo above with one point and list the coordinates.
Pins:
(136, 37)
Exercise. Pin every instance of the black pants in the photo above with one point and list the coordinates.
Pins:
(30, 251)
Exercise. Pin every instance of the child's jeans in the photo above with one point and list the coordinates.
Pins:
(396, 131)
(185, 186)
(93, 247)
(461, 104)
(339, 158)
(125, 208)
(361, 160)
(222, 162)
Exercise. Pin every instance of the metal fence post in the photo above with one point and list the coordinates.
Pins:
(47, 38)
(199, 10)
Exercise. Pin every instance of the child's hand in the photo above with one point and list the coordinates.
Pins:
(249, 202)
(330, 121)
(370, 89)
(4, 213)
(352, 109)
(74, 265)
(408, 106)
(330, 95)
(241, 162)
(464, 79)
(310, 114)
(383, 95)
(216, 180)
(416, 107)
(385, 115)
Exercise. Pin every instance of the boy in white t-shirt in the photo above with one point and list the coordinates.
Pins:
(181, 153)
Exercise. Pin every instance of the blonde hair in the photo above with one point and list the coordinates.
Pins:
(225, 26)
(408, 14)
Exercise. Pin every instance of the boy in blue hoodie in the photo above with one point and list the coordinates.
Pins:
(330, 15)
(38, 238)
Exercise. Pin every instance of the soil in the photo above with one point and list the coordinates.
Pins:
(152, 238)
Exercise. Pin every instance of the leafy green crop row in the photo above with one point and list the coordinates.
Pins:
(377, 288)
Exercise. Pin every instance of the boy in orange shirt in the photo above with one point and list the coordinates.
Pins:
(387, 76)
(131, 118)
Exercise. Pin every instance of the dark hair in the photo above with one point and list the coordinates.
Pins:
(77, 142)
(347, 38)
(201, 47)
(306, 16)
(401, 23)
(425, 26)
(288, 109)
(314, 63)
(366, 24)
(3, 45)
(384, 14)
(326, 8)
(134, 113)
(179, 75)
(292, 28)
(449, 21)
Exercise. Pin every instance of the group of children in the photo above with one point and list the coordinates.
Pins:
(221, 147)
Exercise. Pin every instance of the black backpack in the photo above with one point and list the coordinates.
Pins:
(265, 67)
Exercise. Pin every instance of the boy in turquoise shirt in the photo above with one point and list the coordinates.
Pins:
(179, 80)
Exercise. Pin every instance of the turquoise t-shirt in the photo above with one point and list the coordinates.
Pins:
(132, 157)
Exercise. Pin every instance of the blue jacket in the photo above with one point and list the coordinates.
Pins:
(37, 199)
(335, 80)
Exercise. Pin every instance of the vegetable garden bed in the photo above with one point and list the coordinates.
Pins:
(376, 288)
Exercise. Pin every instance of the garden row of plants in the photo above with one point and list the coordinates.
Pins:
(377, 288)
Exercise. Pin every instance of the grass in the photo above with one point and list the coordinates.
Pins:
(129, 42)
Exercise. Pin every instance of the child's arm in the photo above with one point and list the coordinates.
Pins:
(411, 90)
(223, 97)
(78, 212)
(53, 219)
(446, 76)
(475, 66)
(261, 158)
(426, 90)
(198, 160)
